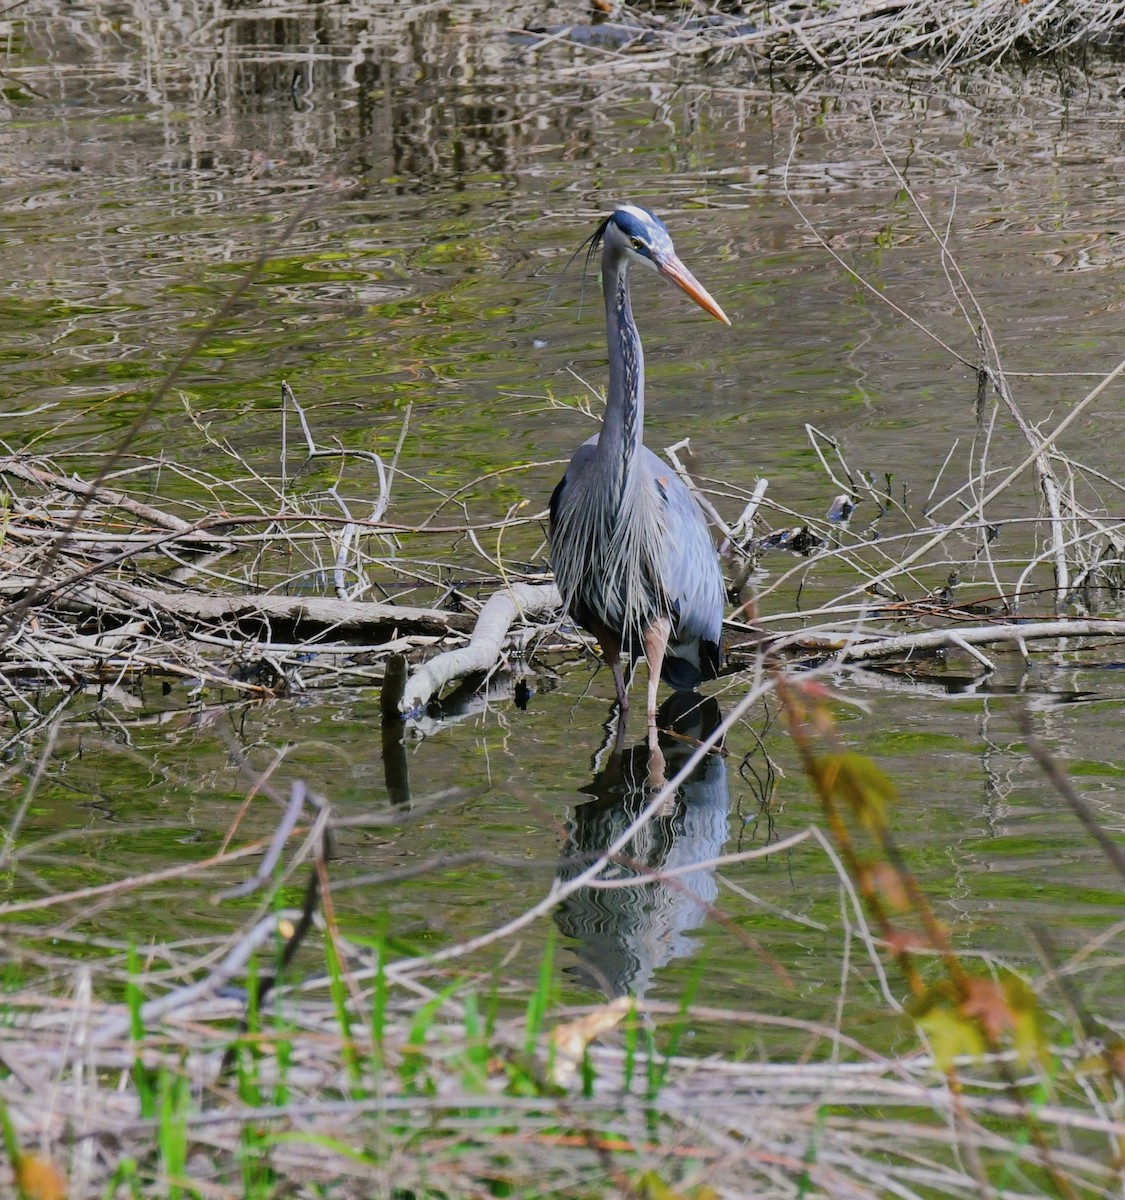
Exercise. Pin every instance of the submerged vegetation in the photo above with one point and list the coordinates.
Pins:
(262, 1028)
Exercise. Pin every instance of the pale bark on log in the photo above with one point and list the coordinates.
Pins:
(322, 611)
(853, 649)
(483, 651)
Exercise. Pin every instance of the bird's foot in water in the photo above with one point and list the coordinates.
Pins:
(657, 765)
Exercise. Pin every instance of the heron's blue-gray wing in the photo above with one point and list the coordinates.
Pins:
(693, 583)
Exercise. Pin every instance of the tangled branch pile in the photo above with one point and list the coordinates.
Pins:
(843, 33)
(101, 584)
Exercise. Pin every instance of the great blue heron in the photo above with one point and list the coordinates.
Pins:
(631, 551)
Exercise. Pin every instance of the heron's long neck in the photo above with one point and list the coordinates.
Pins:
(623, 426)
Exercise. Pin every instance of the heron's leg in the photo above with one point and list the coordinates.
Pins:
(656, 643)
(612, 654)
(657, 765)
(657, 777)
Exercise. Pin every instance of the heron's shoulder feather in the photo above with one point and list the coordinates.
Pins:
(579, 463)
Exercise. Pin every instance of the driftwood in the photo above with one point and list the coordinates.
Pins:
(530, 601)
(485, 645)
(304, 612)
(853, 648)
(308, 613)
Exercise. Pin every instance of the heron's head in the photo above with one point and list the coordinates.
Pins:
(638, 235)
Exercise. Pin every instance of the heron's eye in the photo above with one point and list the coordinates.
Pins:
(637, 243)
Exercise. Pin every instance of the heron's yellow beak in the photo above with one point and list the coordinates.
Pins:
(671, 268)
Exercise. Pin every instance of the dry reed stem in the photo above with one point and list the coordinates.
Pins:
(734, 1117)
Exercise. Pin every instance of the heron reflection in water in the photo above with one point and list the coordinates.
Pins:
(622, 935)
(630, 547)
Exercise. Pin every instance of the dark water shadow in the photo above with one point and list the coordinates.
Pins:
(621, 936)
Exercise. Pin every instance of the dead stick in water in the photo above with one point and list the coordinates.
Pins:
(90, 491)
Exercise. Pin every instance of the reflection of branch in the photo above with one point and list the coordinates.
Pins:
(1065, 789)
(396, 769)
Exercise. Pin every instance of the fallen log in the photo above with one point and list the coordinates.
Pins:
(308, 614)
(483, 651)
(302, 616)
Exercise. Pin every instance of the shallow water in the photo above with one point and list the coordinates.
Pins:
(145, 163)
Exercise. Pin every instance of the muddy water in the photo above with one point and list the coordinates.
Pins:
(418, 189)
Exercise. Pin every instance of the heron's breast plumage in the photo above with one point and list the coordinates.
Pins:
(606, 549)
(621, 562)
